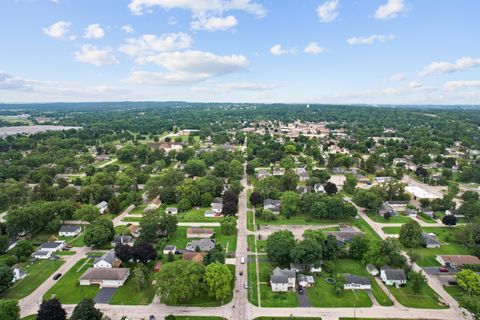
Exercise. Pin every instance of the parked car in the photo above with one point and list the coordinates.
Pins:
(68, 246)
(245, 285)
(152, 317)
(65, 249)
(443, 269)
(242, 260)
(241, 273)
(58, 275)
(300, 290)
(452, 282)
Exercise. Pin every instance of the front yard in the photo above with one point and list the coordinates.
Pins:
(252, 280)
(425, 299)
(300, 220)
(37, 273)
(272, 299)
(68, 289)
(129, 295)
(179, 239)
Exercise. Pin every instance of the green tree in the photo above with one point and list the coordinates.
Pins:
(6, 277)
(140, 278)
(290, 203)
(88, 213)
(228, 225)
(418, 281)
(279, 245)
(308, 252)
(218, 278)
(385, 252)
(179, 281)
(99, 233)
(217, 254)
(195, 167)
(368, 199)
(358, 247)
(86, 310)
(51, 310)
(411, 234)
(9, 310)
(469, 280)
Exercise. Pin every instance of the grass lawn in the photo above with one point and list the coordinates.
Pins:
(426, 298)
(138, 209)
(129, 295)
(286, 318)
(196, 215)
(272, 299)
(250, 225)
(65, 253)
(380, 295)
(370, 234)
(251, 242)
(32, 317)
(179, 239)
(261, 245)
(300, 220)
(427, 256)
(398, 218)
(132, 219)
(265, 270)
(78, 241)
(37, 273)
(249, 193)
(252, 281)
(68, 289)
(322, 294)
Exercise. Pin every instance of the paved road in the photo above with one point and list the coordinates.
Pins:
(29, 304)
(107, 163)
(118, 219)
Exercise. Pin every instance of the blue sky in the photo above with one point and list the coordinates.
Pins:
(307, 51)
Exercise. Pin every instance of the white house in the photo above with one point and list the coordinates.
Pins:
(122, 240)
(69, 231)
(318, 187)
(171, 210)
(107, 261)
(42, 254)
(169, 248)
(392, 277)
(272, 205)
(430, 240)
(102, 207)
(105, 278)
(353, 282)
(210, 214)
(282, 280)
(298, 267)
(305, 281)
(18, 273)
(372, 270)
(52, 246)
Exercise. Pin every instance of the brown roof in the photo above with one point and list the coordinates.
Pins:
(193, 256)
(200, 230)
(133, 228)
(98, 274)
(461, 260)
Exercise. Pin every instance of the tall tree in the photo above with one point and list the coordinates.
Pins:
(143, 251)
(179, 281)
(51, 310)
(279, 245)
(9, 310)
(218, 278)
(86, 310)
(411, 234)
(6, 277)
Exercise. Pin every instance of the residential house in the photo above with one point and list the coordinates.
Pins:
(272, 205)
(372, 270)
(457, 261)
(304, 189)
(386, 208)
(122, 240)
(42, 254)
(282, 280)
(278, 171)
(102, 207)
(397, 204)
(169, 248)
(353, 282)
(211, 214)
(69, 231)
(52, 246)
(134, 230)
(204, 245)
(454, 212)
(217, 207)
(171, 210)
(153, 205)
(318, 187)
(411, 213)
(430, 240)
(345, 234)
(199, 233)
(302, 174)
(193, 256)
(262, 174)
(305, 281)
(105, 278)
(392, 277)
(18, 273)
(299, 267)
(107, 260)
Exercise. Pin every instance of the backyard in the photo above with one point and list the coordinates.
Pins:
(179, 239)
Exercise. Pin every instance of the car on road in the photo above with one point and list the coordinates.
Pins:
(300, 290)
(242, 260)
(443, 269)
(245, 285)
(241, 273)
(152, 317)
(65, 249)
(452, 282)
(58, 275)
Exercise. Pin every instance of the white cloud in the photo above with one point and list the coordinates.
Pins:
(94, 31)
(461, 64)
(236, 86)
(461, 84)
(314, 48)
(59, 30)
(214, 23)
(278, 50)
(96, 56)
(183, 67)
(414, 85)
(397, 77)
(128, 29)
(12, 82)
(370, 39)
(390, 10)
(199, 7)
(149, 44)
(328, 11)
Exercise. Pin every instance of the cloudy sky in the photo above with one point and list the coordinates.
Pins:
(325, 51)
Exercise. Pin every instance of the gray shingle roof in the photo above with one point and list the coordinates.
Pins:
(353, 279)
(395, 274)
(69, 228)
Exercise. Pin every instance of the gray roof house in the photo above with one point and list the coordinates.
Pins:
(371, 269)
(356, 282)
(69, 230)
(282, 280)
(122, 240)
(430, 240)
(272, 205)
(203, 244)
(107, 260)
(392, 277)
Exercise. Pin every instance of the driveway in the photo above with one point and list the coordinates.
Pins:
(303, 300)
(435, 271)
(104, 295)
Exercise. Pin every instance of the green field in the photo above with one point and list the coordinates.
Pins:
(322, 294)
(129, 295)
(68, 289)
(398, 218)
(272, 299)
(37, 273)
(250, 225)
(425, 299)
